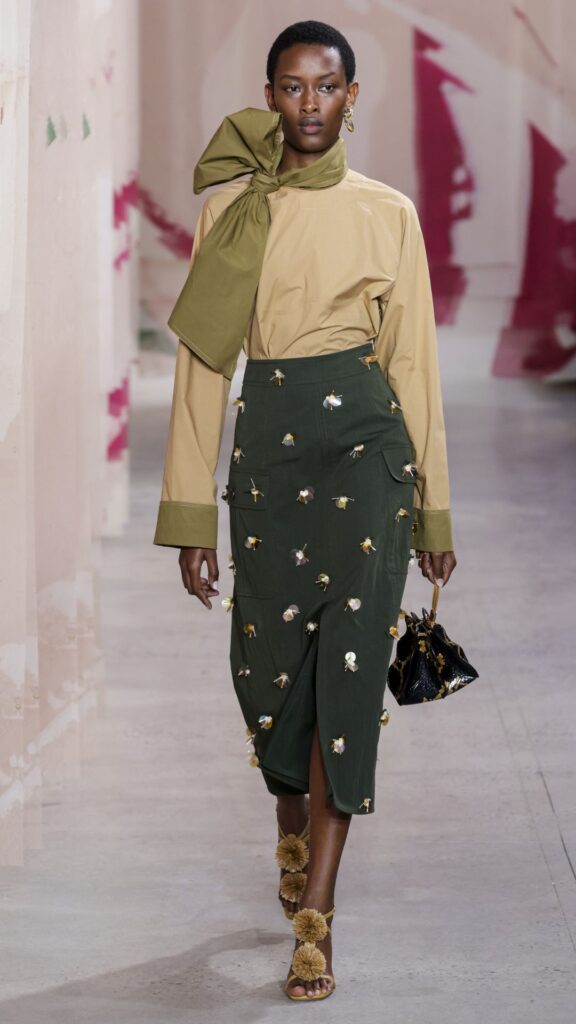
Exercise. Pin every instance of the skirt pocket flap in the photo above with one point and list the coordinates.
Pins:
(400, 464)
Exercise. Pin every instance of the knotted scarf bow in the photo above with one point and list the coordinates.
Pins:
(213, 309)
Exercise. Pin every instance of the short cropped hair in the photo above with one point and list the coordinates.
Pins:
(312, 33)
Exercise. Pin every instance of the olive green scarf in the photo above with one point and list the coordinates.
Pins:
(214, 307)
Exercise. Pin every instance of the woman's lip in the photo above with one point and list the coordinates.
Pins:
(311, 129)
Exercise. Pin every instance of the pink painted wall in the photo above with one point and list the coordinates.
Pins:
(68, 321)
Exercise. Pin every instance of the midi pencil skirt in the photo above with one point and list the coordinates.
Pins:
(320, 492)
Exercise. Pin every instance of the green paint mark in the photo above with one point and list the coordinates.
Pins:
(85, 127)
(50, 131)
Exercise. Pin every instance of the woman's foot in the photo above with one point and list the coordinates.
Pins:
(292, 814)
(298, 986)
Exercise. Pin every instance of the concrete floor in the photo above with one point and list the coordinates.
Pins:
(154, 900)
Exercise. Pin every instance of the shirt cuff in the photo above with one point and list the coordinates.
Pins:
(181, 524)
(432, 530)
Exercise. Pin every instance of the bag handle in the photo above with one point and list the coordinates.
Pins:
(435, 598)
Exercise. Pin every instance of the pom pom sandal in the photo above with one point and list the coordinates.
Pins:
(292, 856)
(308, 962)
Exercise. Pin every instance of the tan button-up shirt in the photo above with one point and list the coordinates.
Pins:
(342, 265)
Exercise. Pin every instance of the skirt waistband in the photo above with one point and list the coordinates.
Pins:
(343, 363)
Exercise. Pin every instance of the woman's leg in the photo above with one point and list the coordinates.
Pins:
(292, 815)
(328, 832)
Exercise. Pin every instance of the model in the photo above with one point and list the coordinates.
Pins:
(338, 466)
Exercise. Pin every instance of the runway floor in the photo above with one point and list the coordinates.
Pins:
(154, 899)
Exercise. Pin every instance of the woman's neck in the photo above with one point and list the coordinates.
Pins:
(294, 159)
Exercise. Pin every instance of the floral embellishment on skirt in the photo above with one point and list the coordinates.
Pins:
(367, 545)
(342, 500)
(240, 403)
(290, 612)
(282, 680)
(250, 629)
(350, 663)
(252, 542)
(238, 454)
(311, 627)
(338, 745)
(367, 360)
(357, 451)
(394, 407)
(402, 513)
(305, 495)
(384, 717)
(322, 580)
(332, 401)
(299, 555)
(254, 491)
(277, 377)
(265, 721)
(354, 603)
(228, 603)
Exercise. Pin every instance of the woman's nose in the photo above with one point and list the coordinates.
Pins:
(309, 101)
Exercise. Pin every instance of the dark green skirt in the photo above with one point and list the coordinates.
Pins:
(320, 493)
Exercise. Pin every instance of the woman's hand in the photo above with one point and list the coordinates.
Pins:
(437, 566)
(190, 562)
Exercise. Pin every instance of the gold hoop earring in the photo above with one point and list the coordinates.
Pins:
(349, 123)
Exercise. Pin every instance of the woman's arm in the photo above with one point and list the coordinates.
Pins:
(188, 512)
(407, 352)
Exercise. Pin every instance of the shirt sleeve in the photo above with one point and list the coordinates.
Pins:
(188, 512)
(406, 347)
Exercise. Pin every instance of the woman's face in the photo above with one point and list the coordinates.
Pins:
(311, 93)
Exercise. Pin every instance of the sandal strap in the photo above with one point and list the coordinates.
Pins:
(293, 977)
(296, 977)
(303, 834)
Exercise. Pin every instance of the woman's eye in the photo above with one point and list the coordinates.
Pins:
(328, 86)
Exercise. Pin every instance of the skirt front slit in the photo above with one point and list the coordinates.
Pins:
(320, 493)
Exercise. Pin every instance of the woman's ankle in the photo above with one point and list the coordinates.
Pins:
(318, 897)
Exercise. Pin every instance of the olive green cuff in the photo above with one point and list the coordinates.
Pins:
(181, 524)
(432, 530)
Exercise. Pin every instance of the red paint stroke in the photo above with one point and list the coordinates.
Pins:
(122, 257)
(173, 236)
(118, 444)
(124, 197)
(439, 155)
(537, 38)
(119, 397)
(528, 346)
